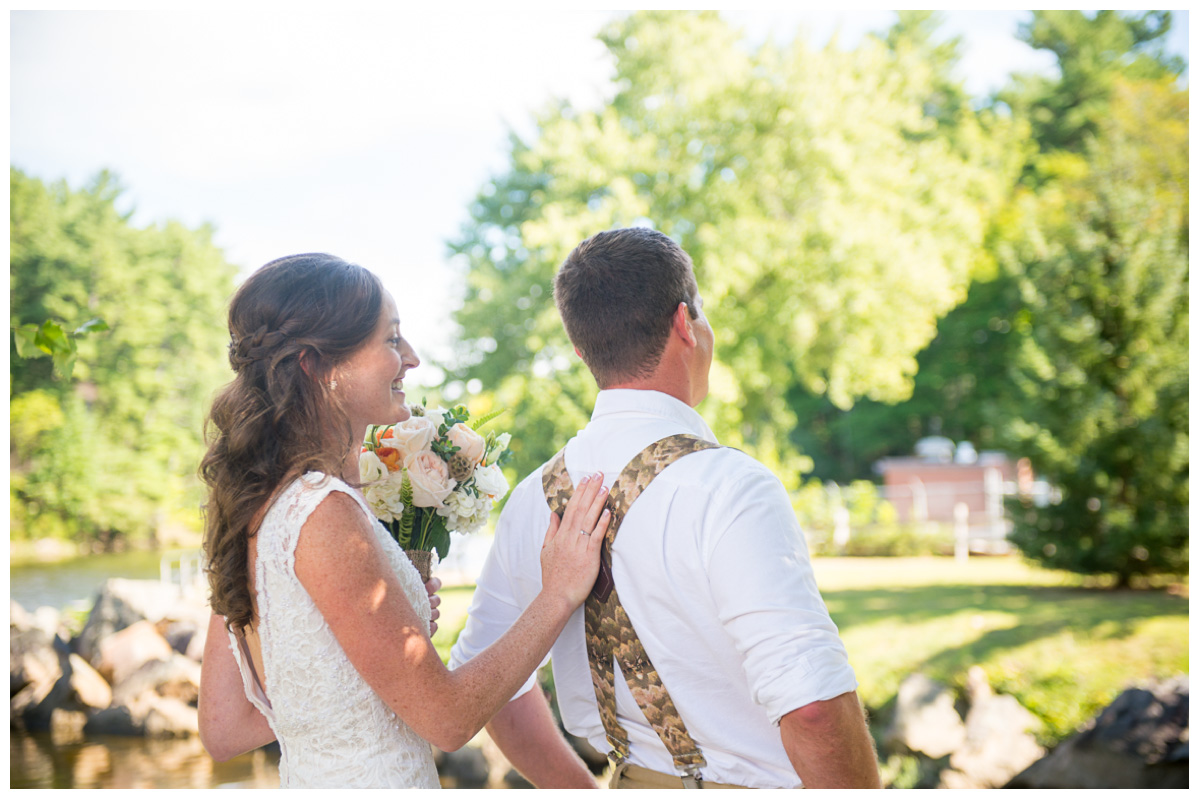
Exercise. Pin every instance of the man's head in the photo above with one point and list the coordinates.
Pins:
(619, 295)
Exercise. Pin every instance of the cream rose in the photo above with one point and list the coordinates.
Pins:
(430, 479)
(469, 443)
(370, 468)
(410, 436)
(490, 482)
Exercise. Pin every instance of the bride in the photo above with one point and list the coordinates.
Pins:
(320, 631)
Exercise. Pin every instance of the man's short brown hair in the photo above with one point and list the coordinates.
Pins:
(617, 292)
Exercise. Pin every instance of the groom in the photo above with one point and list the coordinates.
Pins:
(729, 672)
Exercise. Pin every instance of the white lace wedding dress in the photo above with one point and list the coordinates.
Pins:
(333, 729)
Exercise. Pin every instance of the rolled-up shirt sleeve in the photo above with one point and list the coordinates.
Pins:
(766, 598)
(500, 596)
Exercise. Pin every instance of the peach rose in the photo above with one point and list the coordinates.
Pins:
(410, 436)
(430, 479)
(471, 445)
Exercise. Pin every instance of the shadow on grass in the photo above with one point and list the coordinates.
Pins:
(1041, 610)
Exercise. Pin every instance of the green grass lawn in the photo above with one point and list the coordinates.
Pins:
(1063, 648)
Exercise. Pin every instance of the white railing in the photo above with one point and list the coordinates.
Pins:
(184, 569)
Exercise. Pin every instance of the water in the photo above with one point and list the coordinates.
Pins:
(74, 583)
(116, 762)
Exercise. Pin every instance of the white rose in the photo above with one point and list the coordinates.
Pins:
(411, 436)
(430, 479)
(370, 468)
(437, 416)
(384, 500)
(490, 482)
(469, 443)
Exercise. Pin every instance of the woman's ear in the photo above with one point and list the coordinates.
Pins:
(306, 361)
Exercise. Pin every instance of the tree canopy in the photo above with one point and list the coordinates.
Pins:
(111, 452)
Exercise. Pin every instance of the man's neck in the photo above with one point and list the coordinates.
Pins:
(680, 390)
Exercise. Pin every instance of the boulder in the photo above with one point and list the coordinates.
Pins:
(465, 768)
(123, 653)
(176, 676)
(88, 687)
(121, 603)
(998, 743)
(32, 658)
(925, 719)
(1140, 741)
(169, 717)
(195, 647)
(145, 715)
(50, 620)
(18, 617)
(179, 634)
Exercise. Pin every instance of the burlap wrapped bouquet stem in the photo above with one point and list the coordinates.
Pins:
(423, 561)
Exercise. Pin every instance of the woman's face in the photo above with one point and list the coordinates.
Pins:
(370, 383)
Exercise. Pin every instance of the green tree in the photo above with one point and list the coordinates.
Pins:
(111, 454)
(829, 224)
(965, 386)
(1103, 359)
(1093, 52)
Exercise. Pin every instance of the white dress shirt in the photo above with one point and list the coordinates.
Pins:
(712, 568)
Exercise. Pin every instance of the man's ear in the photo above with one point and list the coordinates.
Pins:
(681, 323)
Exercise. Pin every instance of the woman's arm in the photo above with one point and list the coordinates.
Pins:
(341, 564)
(229, 724)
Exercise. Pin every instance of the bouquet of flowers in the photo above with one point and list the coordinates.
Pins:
(431, 474)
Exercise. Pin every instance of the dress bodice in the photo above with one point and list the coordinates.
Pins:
(333, 729)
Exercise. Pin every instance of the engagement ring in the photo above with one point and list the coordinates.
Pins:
(582, 532)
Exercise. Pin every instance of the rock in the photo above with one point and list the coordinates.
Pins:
(169, 717)
(32, 658)
(925, 720)
(123, 653)
(121, 603)
(18, 617)
(195, 648)
(465, 768)
(179, 634)
(998, 743)
(514, 780)
(1140, 741)
(145, 715)
(50, 620)
(31, 707)
(88, 686)
(115, 721)
(176, 676)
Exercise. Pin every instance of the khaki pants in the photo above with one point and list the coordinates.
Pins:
(631, 776)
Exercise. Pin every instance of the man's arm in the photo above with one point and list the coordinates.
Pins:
(526, 733)
(829, 746)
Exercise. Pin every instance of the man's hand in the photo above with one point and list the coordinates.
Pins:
(431, 587)
(829, 746)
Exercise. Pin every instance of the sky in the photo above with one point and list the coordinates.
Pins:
(366, 134)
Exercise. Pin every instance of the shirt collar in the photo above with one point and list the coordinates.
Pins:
(610, 402)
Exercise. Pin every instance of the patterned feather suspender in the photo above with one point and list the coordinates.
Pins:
(609, 632)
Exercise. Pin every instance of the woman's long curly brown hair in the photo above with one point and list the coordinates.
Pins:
(290, 324)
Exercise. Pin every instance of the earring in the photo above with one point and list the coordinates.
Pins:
(332, 385)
